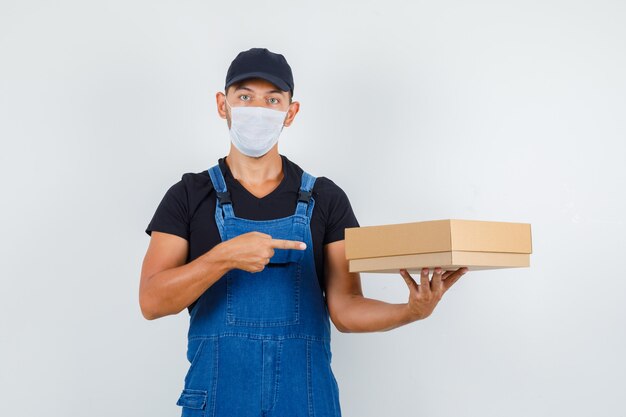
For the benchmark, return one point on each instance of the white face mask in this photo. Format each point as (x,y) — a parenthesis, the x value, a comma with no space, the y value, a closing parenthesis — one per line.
(255,130)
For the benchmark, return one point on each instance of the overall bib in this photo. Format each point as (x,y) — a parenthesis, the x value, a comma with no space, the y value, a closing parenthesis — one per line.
(259,343)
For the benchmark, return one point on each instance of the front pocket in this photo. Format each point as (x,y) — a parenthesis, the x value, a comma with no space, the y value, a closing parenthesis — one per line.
(262,299)
(282,256)
(287,228)
(193,402)
(198,395)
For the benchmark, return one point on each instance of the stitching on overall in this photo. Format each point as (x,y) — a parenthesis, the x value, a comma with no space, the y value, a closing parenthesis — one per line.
(262,375)
(277,379)
(331,378)
(262,336)
(272,402)
(215,374)
(297,292)
(309,382)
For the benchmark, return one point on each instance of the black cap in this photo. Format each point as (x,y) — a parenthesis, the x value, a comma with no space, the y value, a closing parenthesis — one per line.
(261,63)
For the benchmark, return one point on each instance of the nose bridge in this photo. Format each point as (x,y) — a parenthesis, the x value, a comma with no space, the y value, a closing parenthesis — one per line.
(257,103)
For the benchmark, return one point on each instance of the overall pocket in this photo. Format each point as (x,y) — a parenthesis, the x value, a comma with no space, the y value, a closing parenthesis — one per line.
(193,402)
(196,398)
(262,299)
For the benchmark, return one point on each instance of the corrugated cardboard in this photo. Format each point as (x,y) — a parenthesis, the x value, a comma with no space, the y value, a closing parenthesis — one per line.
(449,244)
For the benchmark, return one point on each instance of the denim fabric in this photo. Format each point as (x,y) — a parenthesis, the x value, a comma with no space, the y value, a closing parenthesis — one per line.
(259,343)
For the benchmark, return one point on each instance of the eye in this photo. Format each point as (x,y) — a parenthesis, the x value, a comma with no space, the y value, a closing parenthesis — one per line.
(244,97)
(276,101)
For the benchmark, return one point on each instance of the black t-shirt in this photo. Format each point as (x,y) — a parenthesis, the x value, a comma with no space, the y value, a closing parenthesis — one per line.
(188,210)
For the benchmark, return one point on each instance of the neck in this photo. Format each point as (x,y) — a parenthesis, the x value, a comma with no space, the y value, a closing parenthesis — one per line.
(255,171)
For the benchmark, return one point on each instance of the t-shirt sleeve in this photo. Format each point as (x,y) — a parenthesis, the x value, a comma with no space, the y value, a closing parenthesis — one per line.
(340,215)
(171,215)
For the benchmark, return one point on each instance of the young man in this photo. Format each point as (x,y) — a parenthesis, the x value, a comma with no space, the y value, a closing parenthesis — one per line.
(253,247)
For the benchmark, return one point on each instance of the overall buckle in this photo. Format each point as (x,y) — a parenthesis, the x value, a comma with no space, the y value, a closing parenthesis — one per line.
(304,196)
(224,197)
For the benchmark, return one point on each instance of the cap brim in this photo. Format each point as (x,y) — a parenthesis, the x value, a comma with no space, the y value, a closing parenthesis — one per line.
(267,77)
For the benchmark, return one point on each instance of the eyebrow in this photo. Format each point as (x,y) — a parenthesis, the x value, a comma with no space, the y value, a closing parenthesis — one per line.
(249,89)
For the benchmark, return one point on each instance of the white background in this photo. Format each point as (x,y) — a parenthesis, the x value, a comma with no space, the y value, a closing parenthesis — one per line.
(505,111)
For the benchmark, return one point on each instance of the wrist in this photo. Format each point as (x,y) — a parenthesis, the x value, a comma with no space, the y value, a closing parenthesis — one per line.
(410,314)
(219,258)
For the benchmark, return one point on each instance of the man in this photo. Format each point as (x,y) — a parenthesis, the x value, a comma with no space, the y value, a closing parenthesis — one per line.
(253,247)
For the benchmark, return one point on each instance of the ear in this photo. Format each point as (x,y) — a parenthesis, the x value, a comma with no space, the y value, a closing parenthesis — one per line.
(294,107)
(220,99)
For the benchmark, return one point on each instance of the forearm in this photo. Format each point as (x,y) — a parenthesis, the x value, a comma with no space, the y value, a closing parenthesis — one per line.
(361,314)
(172,290)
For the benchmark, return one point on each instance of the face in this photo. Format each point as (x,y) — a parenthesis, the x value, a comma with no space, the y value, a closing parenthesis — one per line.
(256,92)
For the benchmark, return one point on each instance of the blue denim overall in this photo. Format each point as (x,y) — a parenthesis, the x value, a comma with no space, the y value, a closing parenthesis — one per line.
(259,343)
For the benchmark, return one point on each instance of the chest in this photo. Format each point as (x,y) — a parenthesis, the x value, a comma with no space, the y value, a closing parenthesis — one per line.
(204,233)
(261,190)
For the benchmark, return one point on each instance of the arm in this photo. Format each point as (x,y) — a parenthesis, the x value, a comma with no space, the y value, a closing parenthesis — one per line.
(350,311)
(168,285)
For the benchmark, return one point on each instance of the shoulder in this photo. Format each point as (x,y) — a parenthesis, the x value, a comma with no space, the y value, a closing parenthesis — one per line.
(331,199)
(191,187)
(324,187)
(196,180)
(334,209)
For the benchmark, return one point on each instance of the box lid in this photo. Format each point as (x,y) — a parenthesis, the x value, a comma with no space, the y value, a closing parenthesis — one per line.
(437,236)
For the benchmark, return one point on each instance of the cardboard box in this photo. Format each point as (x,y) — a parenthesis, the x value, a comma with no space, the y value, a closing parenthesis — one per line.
(450,244)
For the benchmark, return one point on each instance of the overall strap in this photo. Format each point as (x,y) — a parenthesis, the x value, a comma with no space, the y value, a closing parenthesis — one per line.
(223,195)
(305,201)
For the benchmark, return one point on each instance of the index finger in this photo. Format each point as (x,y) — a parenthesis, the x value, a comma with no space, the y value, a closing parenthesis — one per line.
(287,244)
(437,282)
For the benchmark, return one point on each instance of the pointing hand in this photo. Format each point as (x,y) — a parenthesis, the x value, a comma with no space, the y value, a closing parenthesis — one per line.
(252,251)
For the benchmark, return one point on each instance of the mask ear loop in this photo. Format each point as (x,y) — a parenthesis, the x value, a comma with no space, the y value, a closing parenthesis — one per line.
(231,110)
(228,104)
(286,114)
